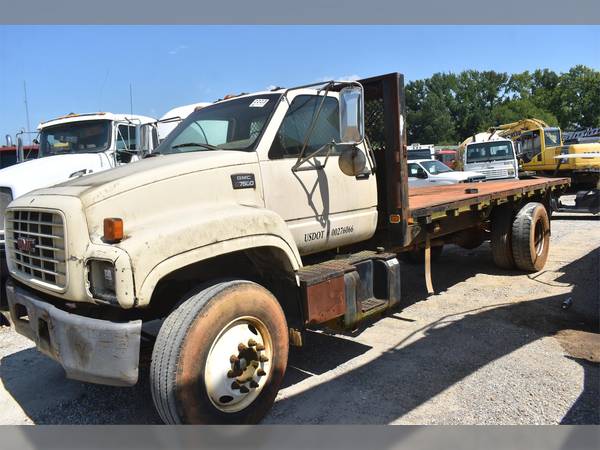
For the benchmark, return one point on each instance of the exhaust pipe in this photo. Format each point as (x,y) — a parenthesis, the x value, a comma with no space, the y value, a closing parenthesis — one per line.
(9,141)
(20,154)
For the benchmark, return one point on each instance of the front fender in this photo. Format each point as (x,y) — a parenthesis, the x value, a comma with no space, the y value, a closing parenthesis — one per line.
(158,249)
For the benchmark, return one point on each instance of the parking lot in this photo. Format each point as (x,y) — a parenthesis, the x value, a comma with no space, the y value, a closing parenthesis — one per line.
(490,347)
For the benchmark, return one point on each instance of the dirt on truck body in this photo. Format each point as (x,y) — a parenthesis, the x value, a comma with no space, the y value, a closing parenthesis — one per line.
(259,217)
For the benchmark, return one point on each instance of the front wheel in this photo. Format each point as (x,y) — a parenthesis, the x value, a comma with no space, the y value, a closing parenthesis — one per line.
(220,357)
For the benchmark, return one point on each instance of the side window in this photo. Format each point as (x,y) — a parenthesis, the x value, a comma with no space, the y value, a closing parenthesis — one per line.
(414,170)
(290,136)
(125,137)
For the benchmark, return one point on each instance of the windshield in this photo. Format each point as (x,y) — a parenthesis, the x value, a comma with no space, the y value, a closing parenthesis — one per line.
(489,151)
(552,136)
(434,167)
(231,125)
(419,154)
(90,136)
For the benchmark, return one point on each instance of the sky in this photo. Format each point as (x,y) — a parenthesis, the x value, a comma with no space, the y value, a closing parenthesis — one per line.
(90,68)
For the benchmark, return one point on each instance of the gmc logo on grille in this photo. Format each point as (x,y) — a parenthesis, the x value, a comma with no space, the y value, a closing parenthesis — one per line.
(26,244)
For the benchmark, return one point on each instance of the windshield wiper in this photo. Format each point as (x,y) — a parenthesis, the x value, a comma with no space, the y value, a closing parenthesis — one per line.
(196,144)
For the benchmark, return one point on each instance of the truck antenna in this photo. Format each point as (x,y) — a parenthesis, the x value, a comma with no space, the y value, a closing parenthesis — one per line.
(26,107)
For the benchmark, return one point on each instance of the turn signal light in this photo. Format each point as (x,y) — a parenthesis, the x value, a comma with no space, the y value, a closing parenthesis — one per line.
(113,230)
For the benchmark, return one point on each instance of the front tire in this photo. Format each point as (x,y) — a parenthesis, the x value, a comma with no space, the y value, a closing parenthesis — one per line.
(220,357)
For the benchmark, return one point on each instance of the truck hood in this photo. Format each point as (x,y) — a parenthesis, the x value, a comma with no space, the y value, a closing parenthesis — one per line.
(95,188)
(39,173)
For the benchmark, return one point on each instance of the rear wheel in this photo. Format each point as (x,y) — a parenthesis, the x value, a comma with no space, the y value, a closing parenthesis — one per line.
(501,237)
(531,237)
(220,357)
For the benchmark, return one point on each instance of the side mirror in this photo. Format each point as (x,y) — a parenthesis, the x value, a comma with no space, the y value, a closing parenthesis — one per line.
(143,138)
(352,161)
(351,115)
(422,174)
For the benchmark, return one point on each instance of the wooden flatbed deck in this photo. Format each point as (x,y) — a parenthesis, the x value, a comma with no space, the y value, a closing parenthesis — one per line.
(437,200)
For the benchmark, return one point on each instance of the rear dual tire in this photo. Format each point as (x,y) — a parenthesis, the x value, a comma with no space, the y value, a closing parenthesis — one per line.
(220,357)
(531,237)
(521,241)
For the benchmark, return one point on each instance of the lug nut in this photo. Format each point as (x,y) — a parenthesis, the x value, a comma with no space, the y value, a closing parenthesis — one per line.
(241,347)
(253,384)
(233,359)
(263,358)
(230,374)
(254,364)
(251,342)
(244,390)
(261,373)
(260,347)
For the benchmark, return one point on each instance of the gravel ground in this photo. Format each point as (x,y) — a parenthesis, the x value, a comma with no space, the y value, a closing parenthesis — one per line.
(490,347)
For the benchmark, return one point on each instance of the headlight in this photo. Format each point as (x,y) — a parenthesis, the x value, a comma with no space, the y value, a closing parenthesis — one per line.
(102,280)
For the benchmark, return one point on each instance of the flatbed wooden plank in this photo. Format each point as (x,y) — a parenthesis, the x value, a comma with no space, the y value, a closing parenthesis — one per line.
(423,201)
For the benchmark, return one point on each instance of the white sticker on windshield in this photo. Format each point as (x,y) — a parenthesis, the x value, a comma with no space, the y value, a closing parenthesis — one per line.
(259,102)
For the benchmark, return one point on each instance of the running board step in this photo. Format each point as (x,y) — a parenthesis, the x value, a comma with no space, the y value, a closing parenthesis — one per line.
(371,303)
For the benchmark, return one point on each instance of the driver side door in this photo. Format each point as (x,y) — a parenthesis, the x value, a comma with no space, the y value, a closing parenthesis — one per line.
(322,207)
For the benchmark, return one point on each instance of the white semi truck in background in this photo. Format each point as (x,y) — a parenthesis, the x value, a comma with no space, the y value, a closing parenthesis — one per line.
(72,146)
(491,155)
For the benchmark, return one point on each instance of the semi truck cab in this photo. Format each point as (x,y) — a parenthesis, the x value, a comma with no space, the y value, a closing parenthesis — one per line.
(73,146)
(495,158)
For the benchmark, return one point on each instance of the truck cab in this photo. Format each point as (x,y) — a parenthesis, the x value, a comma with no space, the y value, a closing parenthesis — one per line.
(495,158)
(420,151)
(73,146)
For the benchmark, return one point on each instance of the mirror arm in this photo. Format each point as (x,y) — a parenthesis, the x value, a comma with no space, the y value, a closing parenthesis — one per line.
(296,167)
(311,128)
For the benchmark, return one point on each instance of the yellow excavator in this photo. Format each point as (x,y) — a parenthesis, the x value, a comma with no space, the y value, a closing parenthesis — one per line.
(541,150)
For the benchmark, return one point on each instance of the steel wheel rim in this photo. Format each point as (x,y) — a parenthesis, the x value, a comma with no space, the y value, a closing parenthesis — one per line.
(539,237)
(232,385)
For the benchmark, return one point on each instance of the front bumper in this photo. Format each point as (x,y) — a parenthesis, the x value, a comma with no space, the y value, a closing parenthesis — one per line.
(92,350)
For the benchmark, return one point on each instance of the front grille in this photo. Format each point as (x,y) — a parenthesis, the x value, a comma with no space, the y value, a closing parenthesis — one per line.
(497,173)
(35,241)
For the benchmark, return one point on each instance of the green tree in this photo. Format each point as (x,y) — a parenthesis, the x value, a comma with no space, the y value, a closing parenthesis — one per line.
(577,99)
(448,107)
(521,108)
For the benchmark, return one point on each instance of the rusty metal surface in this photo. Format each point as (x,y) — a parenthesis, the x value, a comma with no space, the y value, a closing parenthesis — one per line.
(325,301)
(425,200)
(324,288)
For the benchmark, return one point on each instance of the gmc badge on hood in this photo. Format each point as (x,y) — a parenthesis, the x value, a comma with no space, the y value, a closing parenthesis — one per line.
(243,181)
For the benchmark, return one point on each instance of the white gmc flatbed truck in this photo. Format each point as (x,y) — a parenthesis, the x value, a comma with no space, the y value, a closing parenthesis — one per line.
(259,217)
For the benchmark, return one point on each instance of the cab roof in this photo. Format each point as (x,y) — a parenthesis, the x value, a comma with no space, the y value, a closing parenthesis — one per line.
(70,118)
